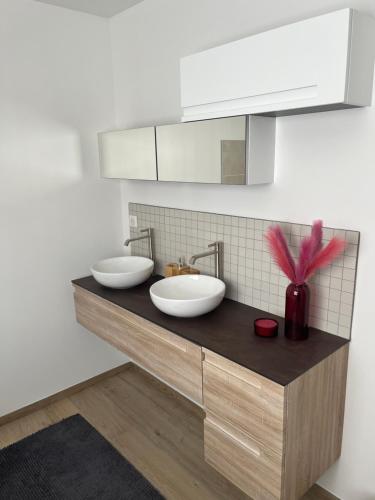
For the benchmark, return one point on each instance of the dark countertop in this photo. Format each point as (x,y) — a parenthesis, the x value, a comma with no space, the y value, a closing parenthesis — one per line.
(229,331)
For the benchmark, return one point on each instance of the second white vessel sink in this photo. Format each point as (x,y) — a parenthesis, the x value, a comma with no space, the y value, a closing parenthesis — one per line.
(188,295)
(122,272)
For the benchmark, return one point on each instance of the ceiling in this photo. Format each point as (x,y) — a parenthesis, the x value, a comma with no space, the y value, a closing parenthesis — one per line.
(104,8)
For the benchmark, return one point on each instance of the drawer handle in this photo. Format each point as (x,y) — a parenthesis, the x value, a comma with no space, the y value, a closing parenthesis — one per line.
(112,310)
(255,384)
(253,448)
(132,322)
(176,345)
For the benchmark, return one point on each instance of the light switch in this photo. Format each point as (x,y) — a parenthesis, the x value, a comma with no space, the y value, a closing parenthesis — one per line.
(133,221)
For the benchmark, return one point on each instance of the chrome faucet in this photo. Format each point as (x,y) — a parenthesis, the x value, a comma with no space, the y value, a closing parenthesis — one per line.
(147,236)
(217,252)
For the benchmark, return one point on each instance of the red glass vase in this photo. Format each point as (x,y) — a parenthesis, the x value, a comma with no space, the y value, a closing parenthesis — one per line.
(297,311)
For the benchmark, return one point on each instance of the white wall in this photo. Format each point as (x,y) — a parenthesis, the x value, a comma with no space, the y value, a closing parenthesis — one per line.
(325,166)
(56,216)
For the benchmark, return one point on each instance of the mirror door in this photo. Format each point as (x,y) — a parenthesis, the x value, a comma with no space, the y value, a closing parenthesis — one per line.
(207,151)
(128,154)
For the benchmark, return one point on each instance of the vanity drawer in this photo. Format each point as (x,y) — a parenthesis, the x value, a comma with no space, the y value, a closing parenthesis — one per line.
(252,467)
(244,399)
(173,359)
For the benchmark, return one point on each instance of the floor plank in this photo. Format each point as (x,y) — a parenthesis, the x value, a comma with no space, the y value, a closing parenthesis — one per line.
(157,430)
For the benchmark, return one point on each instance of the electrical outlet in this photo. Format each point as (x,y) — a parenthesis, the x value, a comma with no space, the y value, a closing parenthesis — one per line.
(133,221)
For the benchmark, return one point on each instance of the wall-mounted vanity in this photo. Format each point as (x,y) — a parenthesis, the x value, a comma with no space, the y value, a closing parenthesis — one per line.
(274,408)
(235,150)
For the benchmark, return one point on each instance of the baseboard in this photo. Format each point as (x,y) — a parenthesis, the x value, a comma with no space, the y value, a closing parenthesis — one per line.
(319,493)
(9,417)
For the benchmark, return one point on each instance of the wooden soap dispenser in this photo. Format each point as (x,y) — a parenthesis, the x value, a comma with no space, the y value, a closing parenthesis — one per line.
(173,269)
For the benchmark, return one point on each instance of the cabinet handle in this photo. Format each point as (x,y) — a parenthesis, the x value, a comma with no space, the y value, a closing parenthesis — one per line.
(257,385)
(252,448)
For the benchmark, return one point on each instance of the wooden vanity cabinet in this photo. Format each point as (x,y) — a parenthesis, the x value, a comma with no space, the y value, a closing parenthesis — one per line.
(174,360)
(273,441)
(274,425)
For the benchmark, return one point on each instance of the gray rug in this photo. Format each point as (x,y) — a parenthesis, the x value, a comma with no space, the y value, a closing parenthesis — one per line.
(69,461)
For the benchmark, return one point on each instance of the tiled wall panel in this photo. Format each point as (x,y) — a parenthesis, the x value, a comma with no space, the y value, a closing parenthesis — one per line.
(250,275)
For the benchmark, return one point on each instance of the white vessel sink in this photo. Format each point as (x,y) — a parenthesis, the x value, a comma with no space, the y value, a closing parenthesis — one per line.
(122,272)
(187,296)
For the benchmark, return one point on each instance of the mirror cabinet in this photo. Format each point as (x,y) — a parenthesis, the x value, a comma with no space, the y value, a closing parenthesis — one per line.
(236,150)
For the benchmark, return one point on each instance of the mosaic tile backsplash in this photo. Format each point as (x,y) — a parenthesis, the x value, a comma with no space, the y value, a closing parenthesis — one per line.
(250,275)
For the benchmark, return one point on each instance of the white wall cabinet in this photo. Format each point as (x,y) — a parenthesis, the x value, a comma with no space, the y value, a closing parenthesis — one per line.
(128,154)
(321,63)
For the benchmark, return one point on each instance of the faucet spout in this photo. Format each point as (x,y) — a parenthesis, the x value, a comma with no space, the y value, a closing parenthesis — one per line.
(217,252)
(147,236)
(129,240)
(194,258)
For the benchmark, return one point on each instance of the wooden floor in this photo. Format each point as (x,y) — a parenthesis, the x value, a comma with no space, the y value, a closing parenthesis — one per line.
(156,429)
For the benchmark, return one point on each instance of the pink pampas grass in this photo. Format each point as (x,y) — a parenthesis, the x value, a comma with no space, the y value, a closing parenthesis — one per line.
(309,248)
(325,256)
(312,255)
(280,252)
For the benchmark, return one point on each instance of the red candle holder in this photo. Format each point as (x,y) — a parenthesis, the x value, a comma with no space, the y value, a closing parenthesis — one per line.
(266,327)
